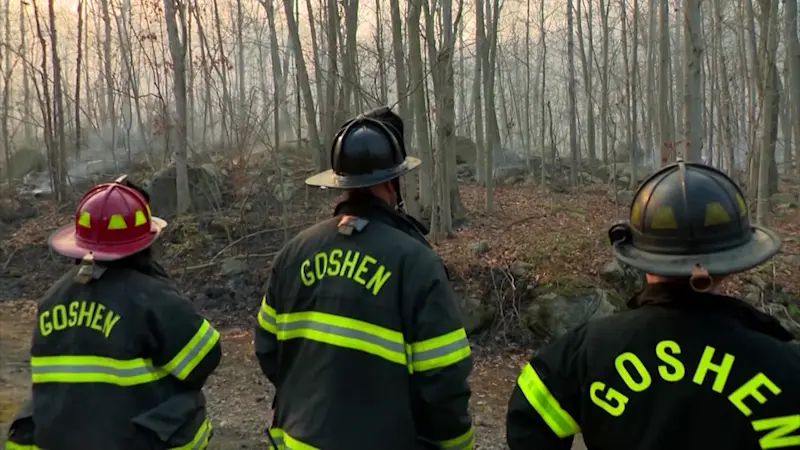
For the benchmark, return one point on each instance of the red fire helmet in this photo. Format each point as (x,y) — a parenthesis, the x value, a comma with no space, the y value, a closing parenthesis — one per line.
(113,221)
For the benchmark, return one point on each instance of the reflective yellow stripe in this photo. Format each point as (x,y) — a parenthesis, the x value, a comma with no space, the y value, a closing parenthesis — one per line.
(464,442)
(198,442)
(286,442)
(14,446)
(193,353)
(562,424)
(267,318)
(343,332)
(439,352)
(355,334)
(200,439)
(94,369)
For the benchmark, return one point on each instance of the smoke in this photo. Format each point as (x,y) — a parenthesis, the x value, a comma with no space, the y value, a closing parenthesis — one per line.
(105,152)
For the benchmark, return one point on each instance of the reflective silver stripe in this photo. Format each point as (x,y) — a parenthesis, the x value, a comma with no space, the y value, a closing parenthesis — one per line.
(464,442)
(342,331)
(203,442)
(105,370)
(263,315)
(425,355)
(93,369)
(192,356)
(278,440)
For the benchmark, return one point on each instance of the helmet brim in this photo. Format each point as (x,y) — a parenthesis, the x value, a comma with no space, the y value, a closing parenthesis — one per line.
(763,245)
(65,242)
(330,179)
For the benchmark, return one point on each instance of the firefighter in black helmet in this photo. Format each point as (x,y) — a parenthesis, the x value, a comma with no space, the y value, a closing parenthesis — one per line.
(685,367)
(359,329)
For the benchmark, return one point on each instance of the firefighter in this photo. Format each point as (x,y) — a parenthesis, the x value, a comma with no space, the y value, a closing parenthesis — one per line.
(118,357)
(359,330)
(684,367)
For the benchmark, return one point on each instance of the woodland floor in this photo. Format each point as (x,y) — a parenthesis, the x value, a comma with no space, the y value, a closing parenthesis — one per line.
(562,235)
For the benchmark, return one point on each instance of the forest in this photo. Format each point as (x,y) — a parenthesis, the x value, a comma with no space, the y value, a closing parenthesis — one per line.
(535,121)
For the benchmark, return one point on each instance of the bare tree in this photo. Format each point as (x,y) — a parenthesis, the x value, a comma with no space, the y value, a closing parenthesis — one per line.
(692,100)
(573,109)
(793,44)
(177,50)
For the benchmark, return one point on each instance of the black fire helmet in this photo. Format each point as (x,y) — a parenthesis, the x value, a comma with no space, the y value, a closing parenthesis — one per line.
(689,218)
(367,151)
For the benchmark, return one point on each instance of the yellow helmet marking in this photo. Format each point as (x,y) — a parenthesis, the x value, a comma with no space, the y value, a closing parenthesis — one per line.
(664,219)
(85,220)
(636,213)
(742,205)
(117,222)
(140,218)
(716,214)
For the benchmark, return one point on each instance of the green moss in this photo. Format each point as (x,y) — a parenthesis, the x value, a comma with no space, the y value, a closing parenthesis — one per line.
(569,286)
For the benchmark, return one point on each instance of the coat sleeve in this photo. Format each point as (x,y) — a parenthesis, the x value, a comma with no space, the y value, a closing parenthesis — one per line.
(182,341)
(266,334)
(440,360)
(547,397)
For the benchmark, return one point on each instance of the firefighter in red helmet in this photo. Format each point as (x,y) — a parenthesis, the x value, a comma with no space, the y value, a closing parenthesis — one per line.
(119,357)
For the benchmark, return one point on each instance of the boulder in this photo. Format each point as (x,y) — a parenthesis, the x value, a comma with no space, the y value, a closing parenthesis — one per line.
(466,150)
(626,280)
(476,314)
(511,174)
(206,184)
(465,172)
(775,301)
(785,199)
(556,312)
(24,161)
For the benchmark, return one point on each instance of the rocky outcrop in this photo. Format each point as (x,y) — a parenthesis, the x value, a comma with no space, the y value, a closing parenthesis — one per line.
(556,312)
(206,186)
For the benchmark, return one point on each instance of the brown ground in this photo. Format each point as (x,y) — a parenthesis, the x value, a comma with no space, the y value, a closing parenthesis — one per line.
(561,235)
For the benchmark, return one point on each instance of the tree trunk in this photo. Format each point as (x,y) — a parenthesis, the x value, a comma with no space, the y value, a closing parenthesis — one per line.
(770,100)
(604,100)
(692,100)
(587,80)
(794,64)
(177,50)
(666,139)
(302,75)
(58,107)
(418,104)
(8,72)
(482,170)
(573,110)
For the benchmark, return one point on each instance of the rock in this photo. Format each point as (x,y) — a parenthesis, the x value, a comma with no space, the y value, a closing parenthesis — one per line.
(24,161)
(479,247)
(773,300)
(232,267)
(591,179)
(785,199)
(466,150)
(625,279)
(521,268)
(785,315)
(475,313)
(206,183)
(283,192)
(465,171)
(511,174)
(624,197)
(552,314)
